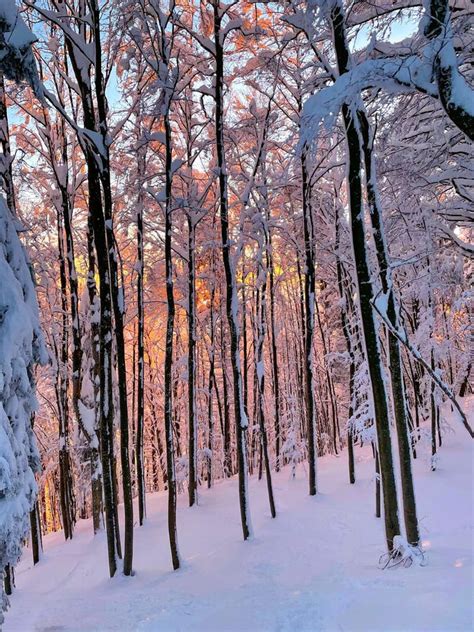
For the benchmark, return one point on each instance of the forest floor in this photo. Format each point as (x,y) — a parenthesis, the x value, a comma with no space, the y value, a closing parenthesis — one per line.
(315,567)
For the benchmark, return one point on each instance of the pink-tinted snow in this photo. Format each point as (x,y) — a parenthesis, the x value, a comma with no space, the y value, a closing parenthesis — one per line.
(313,568)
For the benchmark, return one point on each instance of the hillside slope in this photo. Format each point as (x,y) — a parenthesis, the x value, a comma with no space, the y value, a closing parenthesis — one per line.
(313,568)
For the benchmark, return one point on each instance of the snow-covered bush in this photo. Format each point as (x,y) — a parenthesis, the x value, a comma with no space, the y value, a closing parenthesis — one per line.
(21,344)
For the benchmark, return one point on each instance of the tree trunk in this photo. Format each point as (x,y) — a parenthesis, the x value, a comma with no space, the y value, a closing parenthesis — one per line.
(140,473)
(35,533)
(274,353)
(395,361)
(365,291)
(350,351)
(168,405)
(210,420)
(6,174)
(260,372)
(66,487)
(192,420)
(232,306)
(309,297)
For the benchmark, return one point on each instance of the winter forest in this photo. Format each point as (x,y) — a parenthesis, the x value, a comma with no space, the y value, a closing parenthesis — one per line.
(236,315)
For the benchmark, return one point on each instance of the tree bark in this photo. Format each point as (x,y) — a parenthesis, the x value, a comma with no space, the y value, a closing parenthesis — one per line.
(365,291)
(140,473)
(192,420)
(232,306)
(395,361)
(168,405)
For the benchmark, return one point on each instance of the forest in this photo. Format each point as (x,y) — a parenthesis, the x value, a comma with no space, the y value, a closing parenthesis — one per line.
(236,272)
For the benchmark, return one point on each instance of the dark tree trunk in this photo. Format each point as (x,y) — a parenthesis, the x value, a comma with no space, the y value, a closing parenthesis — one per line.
(192,420)
(66,486)
(274,352)
(395,361)
(433,414)
(35,533)
(365,291)
(140,472)
(97,218)
(212,360)
(241,421)
(309,301)
(168,405)
(228,471)
(465,386)
(260,374)
(8,579)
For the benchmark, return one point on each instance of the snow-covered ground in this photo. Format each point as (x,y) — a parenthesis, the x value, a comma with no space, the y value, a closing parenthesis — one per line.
(312,568)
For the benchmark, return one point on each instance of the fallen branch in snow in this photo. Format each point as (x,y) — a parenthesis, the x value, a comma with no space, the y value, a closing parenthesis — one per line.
(416,354)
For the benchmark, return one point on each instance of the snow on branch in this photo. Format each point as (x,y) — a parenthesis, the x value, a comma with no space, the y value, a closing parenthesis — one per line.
(394,75)
(21,346)
(379,306)
(433,71)
(16,56)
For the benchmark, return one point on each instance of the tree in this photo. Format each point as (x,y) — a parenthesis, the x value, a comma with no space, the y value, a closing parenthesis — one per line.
(21,342)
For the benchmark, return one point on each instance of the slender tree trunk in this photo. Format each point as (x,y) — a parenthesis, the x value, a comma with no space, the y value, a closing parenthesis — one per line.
(140,473)
(396,367)
(8,579)
(433,409)
(274,352)
(210,420)
(260,372)
(232,306)
(365,291)
(465,383)
(105,330)
(66,488)
(245,345)
(35,533)
(309,297)
(192,420)
(168,405)
(76,351)
(228,471)
(329,384)
(350,351)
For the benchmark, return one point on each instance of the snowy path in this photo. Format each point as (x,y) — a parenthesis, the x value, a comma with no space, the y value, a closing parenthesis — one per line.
(313,568)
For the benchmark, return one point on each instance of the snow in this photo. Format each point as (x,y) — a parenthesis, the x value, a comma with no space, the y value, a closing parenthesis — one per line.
(395,74)
(461,92)
(16,57)
(312,568)
(19,36)
(21,346)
